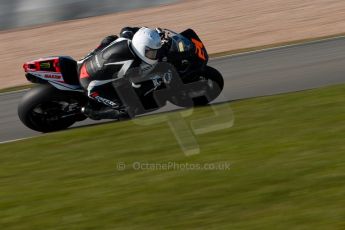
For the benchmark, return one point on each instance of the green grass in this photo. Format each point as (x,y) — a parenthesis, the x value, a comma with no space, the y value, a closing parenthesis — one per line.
(287,157)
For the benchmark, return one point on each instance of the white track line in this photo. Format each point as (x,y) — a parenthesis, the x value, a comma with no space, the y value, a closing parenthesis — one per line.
(13,92)
(278,47)
(20,139)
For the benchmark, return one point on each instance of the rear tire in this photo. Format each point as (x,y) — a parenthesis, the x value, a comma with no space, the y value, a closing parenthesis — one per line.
(41,107)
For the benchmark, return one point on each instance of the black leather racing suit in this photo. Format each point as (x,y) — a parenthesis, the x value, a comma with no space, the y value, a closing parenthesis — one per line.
(106,64)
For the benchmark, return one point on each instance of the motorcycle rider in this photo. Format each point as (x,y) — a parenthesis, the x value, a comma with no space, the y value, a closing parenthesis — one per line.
(111,61)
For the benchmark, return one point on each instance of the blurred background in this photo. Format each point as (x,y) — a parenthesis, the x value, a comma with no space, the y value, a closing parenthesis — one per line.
(19,13)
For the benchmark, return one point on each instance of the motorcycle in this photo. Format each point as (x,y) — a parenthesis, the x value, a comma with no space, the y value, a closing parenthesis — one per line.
(184,80)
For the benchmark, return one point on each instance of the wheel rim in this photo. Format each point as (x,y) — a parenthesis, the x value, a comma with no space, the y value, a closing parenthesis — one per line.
(211,88)
(53,112)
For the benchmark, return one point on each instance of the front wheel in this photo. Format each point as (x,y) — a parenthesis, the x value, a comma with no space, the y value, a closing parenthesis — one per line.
(46,109)
(210,84)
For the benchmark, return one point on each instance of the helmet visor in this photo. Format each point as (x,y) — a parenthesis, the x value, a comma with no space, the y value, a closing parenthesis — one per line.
(151,53)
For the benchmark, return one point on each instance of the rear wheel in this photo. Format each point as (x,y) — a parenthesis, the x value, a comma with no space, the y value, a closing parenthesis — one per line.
(46,109)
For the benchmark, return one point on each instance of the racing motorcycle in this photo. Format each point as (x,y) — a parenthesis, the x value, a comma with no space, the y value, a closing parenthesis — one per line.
(56,102)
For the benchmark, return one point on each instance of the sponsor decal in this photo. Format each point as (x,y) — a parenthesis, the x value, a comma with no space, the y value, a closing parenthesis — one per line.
(97,62)
(167,77)
(157,81)
(199,49)
(181,47)
(106,101)
(94,94)
(45,65)
(52,76)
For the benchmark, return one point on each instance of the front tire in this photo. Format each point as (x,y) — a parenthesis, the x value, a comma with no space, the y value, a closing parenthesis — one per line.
(44,108)
(215,84)
(212,85)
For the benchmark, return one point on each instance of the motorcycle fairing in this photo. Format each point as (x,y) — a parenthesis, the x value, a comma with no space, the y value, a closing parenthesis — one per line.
(200,49)
(61,72)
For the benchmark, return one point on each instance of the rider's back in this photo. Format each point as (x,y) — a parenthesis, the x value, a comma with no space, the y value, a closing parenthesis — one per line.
(107,62)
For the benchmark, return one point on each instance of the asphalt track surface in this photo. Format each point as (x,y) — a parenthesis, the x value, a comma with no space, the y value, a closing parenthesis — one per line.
(253,74)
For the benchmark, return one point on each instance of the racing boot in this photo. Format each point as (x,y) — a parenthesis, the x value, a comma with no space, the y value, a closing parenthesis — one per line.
(97,111)
(105,113)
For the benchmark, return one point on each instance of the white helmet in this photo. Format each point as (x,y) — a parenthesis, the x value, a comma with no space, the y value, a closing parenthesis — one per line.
(145,44)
